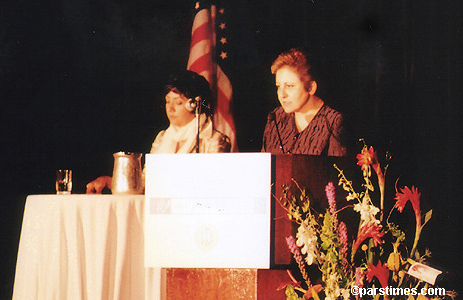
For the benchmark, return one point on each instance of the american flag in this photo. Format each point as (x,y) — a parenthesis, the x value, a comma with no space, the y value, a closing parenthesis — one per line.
(208,36)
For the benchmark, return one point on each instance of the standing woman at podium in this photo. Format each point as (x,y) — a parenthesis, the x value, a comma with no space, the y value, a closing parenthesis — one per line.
(184,92)
(303,124)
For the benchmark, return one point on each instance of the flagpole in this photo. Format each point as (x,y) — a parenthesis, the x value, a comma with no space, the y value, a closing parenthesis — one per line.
(214,63)
(198,122)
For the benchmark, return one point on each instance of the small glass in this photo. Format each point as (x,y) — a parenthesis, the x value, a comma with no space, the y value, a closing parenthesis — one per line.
(63,182)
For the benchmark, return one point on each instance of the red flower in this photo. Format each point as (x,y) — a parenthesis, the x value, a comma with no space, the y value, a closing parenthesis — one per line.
(367,157)
(370,230)
(413,195)
(380,271)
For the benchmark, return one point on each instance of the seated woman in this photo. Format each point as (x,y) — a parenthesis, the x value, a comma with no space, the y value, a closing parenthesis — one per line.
(181,94)
(303,124)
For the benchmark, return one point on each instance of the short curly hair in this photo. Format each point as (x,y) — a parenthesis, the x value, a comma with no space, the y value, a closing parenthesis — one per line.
(300,61)
(191,85)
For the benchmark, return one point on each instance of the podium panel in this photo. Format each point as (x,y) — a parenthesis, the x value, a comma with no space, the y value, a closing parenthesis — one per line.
(251,284)
(311,173)
(208,210)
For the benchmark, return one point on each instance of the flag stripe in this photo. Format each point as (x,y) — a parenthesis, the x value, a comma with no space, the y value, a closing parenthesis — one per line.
(225,127)
(201,33)
(201,43)
(224,83)
(198,52)
(201,18)
(201,64)
(222,108)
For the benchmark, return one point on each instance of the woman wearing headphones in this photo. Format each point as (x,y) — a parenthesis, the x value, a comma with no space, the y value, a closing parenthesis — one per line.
(184,93)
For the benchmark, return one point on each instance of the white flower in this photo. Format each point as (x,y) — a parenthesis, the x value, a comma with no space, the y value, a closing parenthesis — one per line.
(367,212)
(332,289)
(345,294)
(307,239)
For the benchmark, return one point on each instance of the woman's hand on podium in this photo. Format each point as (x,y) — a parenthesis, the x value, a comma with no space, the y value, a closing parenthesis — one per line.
(97,185)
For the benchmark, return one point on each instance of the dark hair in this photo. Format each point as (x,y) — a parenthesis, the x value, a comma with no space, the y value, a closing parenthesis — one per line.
(191,85)
(300,61)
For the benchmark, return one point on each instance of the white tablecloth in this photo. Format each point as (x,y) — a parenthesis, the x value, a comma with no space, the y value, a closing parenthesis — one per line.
(82,247)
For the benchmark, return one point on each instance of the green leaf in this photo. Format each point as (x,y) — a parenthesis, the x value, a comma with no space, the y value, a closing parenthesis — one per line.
(291,293)
(330,256)
(325,245)
(427,217)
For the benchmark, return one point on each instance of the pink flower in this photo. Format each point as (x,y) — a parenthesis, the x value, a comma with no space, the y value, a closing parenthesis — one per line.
(370,230)
(294,250)
(342,231)
(330,194)
(291,241)
(359,276)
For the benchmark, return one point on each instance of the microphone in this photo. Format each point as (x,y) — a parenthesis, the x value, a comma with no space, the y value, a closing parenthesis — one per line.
(195,105)
(191,104)
(272,117)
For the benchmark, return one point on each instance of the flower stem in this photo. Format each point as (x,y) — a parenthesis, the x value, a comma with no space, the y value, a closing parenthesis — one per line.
(381,183)
(417,238)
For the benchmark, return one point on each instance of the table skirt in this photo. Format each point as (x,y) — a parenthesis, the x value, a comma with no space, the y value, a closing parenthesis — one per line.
(81,247)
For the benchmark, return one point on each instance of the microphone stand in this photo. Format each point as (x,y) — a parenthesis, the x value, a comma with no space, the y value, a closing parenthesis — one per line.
(272,117)
(198,121)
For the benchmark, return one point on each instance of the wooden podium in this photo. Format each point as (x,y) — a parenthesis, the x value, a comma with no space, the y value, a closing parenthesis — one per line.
(309,172)
(211,284)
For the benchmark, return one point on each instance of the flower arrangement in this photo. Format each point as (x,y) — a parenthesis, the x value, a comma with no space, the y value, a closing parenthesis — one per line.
(376,261)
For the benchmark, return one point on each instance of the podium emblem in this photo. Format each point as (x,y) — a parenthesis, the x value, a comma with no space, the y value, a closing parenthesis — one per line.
(206,238)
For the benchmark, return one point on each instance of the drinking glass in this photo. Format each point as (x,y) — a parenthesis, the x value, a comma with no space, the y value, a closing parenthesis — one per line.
(63,182)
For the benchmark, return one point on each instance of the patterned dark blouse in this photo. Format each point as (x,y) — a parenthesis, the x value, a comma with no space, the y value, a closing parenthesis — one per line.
(323,135)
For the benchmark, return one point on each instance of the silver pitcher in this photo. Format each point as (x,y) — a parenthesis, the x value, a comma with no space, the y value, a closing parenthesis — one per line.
(127,173)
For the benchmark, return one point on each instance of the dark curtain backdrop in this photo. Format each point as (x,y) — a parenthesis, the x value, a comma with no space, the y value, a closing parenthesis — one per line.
(82,79)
